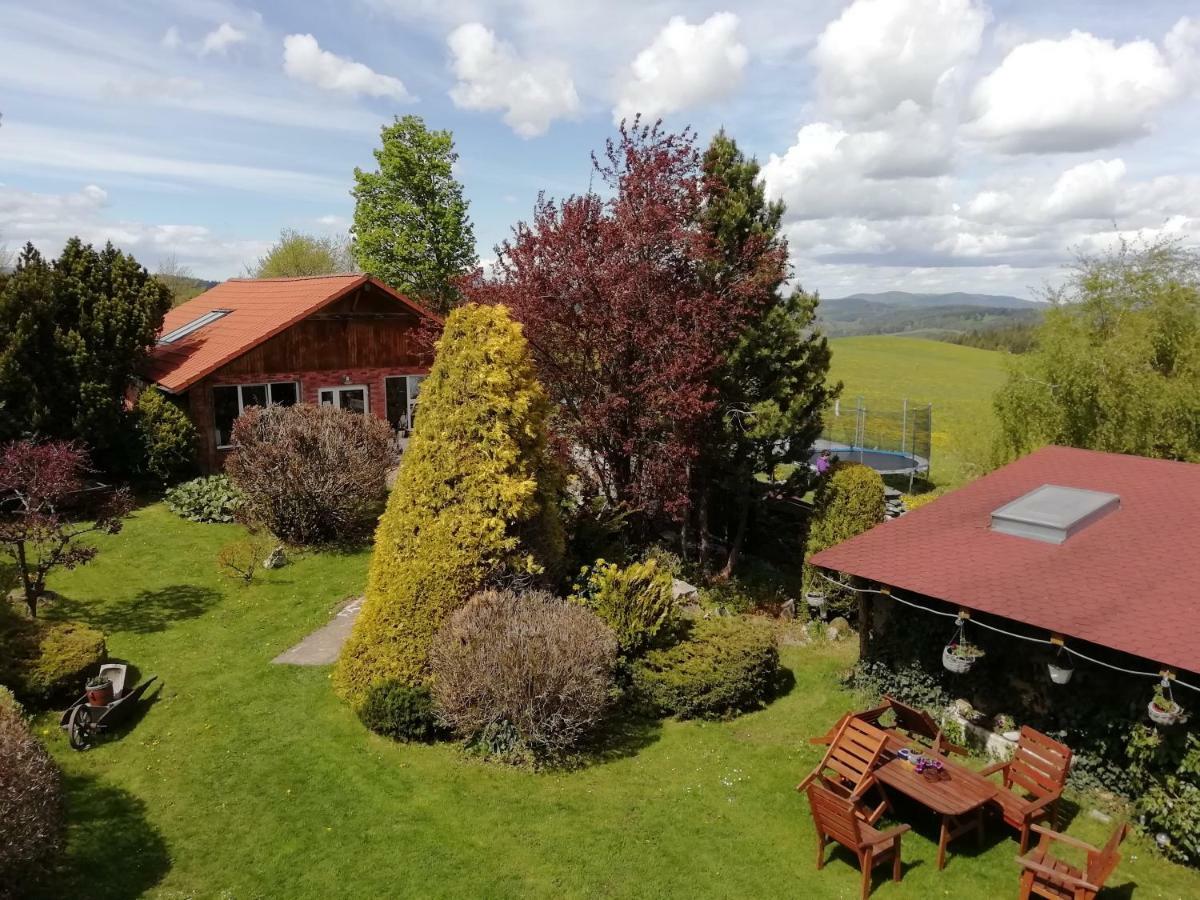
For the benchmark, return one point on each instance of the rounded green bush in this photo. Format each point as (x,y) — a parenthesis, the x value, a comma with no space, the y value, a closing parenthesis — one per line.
(211,499)
(167,435)
(400,711)
(636,602)
(720,667)
(44,659)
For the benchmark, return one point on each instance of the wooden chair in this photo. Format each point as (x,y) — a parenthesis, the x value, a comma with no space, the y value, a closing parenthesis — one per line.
(870,716)
(852,755)
(917,725)
(1045,875)
(837,819)
(1033,781)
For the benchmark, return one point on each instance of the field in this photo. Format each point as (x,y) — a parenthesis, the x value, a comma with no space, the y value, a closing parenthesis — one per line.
(244,779)
(958,381)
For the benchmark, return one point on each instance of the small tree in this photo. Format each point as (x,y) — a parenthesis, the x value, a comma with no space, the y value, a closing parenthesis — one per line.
(167,435)
(1116,361)
(298,254)
(476,501)
(37,481)
(310,474)
(850,500)
(411,227)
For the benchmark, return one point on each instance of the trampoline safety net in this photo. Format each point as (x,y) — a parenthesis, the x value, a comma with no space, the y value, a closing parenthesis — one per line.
(905,430)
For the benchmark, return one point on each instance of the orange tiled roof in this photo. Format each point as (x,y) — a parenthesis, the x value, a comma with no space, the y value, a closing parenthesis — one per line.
(259,308)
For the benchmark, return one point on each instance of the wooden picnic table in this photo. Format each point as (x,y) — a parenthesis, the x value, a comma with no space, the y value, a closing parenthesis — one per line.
(958,797)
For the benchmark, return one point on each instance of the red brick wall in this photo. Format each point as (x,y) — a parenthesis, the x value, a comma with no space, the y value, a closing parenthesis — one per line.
(201,408)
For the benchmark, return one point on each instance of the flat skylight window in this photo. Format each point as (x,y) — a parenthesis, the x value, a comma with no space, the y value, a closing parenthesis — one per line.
(1053,513)
(184,330)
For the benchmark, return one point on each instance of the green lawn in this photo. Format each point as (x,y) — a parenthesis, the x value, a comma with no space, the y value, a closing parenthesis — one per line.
(245,779)
(958,381)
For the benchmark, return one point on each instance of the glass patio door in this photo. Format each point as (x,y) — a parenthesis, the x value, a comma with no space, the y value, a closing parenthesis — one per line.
(351,396)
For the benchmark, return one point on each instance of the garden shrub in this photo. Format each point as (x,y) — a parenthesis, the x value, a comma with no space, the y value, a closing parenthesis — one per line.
(637,602)
(1164,770)
(848,501)
(210,499)
(244,557)
(167,436)
(476,501)
(31,804)
(399,711)
(757,586)
(45,659)
(530,664)
(719,667)
(310,474)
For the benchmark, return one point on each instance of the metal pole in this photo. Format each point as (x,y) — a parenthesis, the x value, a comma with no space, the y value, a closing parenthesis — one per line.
(904,425)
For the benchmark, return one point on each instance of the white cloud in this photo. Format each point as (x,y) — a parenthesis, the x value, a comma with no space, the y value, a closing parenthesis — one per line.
(881,53)
(1087,191)
(162,88)
(492,75)
(48,220)
(1078,93)
(171,39)
(824,175)
(35,149)
(684,66)
(220,39)
(304,60)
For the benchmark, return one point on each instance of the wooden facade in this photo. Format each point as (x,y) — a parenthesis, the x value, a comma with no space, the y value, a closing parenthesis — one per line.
(360,340)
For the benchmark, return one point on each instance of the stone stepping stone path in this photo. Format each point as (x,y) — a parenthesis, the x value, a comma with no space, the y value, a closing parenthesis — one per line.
(321,648)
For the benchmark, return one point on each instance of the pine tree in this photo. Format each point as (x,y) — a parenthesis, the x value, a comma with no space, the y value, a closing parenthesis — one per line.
(476,500)
(411,227)
(772,385)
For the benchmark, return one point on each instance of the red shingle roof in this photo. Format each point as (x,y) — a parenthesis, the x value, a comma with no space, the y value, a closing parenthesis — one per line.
(259,309)
(1128,581)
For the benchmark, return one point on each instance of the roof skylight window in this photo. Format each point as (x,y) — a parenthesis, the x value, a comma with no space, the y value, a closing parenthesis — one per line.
(195,325)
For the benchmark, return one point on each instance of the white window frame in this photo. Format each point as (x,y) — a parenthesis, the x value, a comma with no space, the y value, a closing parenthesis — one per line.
(183,331)
(338,388)
(242,403)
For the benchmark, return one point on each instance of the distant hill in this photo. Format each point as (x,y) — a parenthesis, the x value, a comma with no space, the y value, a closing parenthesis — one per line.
(184,287)
(925,301)
(945,316)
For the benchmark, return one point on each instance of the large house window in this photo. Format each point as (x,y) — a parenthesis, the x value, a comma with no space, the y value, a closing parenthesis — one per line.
(230,401)
(402,393)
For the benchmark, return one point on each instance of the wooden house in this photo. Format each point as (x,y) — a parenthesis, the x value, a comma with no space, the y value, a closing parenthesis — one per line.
(345,340)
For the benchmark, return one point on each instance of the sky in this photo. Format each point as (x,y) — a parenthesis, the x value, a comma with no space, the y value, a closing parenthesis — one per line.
(922,145)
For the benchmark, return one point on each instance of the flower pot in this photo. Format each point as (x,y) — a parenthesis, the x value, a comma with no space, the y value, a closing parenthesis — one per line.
(1060,674)
(1160,716)
(959,665)
(814,599)
(100,696)
(1013,736)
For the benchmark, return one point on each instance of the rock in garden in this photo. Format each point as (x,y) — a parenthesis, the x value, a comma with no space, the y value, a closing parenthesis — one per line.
(276,559)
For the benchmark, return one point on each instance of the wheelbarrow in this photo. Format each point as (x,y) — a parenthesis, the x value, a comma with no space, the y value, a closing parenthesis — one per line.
(85,719)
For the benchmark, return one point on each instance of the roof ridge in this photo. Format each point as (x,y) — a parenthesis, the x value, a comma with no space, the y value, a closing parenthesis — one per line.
(301,277)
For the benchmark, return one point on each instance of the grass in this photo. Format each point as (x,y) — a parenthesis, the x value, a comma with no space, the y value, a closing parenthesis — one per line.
(958,381)
(243,779)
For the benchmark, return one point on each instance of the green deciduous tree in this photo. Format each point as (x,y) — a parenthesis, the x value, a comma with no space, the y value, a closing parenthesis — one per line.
(411,227)
(1116,365)
(772,385)
(476,500)
(849,500)
(297,254)
(73,334)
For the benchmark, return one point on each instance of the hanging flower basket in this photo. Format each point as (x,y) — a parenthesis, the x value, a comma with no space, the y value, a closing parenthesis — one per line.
(1168,715)
(1162,708)
(1061,668)
(960,657)
(814,599)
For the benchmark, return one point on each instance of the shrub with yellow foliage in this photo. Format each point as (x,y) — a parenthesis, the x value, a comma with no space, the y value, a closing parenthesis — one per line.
(475,503)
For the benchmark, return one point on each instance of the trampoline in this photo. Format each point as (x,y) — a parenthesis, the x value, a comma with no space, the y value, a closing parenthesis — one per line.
(885,462)
(892,441)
